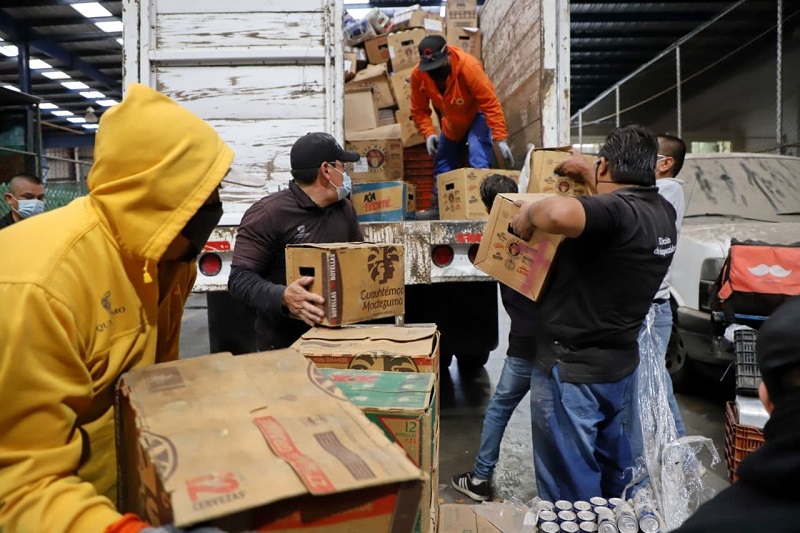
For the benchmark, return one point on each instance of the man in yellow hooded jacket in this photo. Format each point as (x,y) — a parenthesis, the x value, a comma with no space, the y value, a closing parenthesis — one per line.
(100,294)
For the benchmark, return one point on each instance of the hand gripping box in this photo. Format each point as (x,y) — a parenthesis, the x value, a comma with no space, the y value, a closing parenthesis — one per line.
(522,265)
(359,281)
(412,348)
(403,405)
(460,193)
(544,180)
(257,442)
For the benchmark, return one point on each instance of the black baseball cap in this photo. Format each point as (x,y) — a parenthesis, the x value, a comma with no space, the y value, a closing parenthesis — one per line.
(313,149)
(432,53)
(778,344)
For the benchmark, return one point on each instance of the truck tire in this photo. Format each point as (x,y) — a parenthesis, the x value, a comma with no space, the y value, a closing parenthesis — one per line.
(677,361)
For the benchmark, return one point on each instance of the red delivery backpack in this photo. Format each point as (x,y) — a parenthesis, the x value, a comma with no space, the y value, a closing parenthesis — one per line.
(757,278)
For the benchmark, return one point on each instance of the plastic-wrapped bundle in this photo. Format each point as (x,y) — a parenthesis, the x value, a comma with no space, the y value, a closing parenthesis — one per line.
(380,21)
(358,31)
(511,515)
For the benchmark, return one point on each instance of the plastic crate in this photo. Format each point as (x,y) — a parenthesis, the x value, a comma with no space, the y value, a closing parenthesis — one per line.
(748,375)
(424,190)
(739,440)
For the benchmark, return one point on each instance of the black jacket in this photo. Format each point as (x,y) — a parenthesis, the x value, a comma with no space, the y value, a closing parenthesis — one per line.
(767,496)
(6,220)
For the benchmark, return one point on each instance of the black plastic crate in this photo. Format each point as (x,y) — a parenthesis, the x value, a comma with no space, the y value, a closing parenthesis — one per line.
(747,374)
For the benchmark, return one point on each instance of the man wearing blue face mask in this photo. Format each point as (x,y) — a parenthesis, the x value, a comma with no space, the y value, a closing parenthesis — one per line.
(313,209)
(25,196)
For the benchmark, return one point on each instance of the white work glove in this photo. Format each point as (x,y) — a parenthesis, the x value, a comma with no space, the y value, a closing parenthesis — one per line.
(505,151)
(432,144)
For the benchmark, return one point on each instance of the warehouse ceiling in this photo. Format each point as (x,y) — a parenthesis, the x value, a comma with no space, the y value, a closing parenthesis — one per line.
(79,52)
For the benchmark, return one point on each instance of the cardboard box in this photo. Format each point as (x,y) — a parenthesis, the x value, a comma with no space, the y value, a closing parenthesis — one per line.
(401,88)
(381,152)
(403,405)
(413,348)
(459,518)
(373,77)
(359,281)
(404,48)
(468,39)
(350,65)
(460,14)
(522,265)
(267,443)
(409,133)
(544,180)
(360,110)
(377,50)
(432,23)
(411,200)
(380,202)
(460,194)
(386,117)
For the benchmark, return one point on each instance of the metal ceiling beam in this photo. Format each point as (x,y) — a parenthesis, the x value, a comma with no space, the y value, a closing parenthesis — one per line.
(52,22)
(36,3)
(81,37)
(14,28)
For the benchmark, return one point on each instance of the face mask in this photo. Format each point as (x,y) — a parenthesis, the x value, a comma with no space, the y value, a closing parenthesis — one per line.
(29,208)
(199,228)
(347,185)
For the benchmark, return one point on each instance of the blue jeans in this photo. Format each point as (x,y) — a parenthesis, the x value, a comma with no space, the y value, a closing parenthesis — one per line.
(450,154)
(579,447)
(514,383)
(662,328)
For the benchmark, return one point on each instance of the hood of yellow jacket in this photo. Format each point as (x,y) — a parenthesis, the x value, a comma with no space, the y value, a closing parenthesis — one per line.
(155,164)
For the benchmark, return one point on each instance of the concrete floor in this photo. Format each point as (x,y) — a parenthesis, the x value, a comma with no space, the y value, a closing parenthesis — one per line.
(463,404)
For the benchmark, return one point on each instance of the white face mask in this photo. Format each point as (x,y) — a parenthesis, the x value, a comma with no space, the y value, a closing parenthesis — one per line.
(29,208)
(347,185)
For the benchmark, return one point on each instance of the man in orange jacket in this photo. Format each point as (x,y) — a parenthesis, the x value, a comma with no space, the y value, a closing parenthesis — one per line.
(463,95)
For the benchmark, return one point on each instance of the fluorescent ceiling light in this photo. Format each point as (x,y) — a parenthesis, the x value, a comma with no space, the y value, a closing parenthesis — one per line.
(91,126)
(113,26)
(47,105)
(119,41)
(75,85)
(9,50)
(56,75)
(107,103)
(62,113)
(11,88)
(92,94)
(38,64)
(77,120)
(91,10)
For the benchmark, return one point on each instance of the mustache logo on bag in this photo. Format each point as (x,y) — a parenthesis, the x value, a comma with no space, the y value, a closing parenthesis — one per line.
(762,270)
(381,263)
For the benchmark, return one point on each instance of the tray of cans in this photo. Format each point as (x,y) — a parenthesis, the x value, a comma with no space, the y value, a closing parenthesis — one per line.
(598,515)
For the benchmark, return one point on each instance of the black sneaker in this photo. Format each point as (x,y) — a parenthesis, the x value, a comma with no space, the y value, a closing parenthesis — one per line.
(465,485)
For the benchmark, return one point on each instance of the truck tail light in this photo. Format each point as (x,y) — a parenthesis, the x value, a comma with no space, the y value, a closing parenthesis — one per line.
(210,264)
(708,276)
(473,253)
(442,255)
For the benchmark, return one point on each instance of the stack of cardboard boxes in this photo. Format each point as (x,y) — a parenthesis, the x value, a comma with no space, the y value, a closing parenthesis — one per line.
(378,123)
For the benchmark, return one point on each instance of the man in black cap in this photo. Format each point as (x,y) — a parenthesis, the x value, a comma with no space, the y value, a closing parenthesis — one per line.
(314,209)
(766,497)
(464,97)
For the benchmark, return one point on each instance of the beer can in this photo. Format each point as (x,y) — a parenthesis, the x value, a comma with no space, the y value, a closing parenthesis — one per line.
(646,514)
(569,527)
(626,519)
(549,527)
(598,501)
(566,516)
(547,516)
(614,502)
(563,505)
(588,527)
(581,505)
(607,525)
(544,505)
(605,512)
(586,516)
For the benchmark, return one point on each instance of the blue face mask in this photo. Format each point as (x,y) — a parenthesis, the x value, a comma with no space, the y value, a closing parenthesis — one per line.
(29,208)
(347,185)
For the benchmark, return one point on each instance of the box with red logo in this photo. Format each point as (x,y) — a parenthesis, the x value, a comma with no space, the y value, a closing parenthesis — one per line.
(359,281)
(544,180)
(404,48)
(385,201)
(460,192)
(522,265)
(403,405)
(381,151)
(257,442)
(377,50)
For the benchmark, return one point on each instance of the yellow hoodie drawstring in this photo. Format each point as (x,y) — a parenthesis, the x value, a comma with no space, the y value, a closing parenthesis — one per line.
(147,277)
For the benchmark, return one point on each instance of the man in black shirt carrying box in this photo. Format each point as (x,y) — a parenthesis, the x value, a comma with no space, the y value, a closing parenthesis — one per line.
(620,244)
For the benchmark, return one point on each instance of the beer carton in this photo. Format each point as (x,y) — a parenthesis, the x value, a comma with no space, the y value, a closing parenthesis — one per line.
(459,518)
(373,77)
(269,444)
(432,23)
(544,180)
(381,151)
(359,281)
(403,405)
(410,135)
(522,265)
(377,50)
(411,200)
(460,195)
(385,201)
(404,48)
(468,39)
(460,14)
(360,111)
